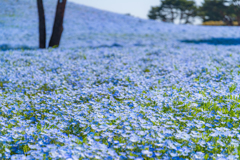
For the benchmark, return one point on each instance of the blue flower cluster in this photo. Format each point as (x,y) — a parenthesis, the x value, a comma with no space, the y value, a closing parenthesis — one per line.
(125,88)
(163,102)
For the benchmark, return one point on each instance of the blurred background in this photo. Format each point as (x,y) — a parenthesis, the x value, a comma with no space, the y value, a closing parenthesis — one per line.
(23,22)
(198,12)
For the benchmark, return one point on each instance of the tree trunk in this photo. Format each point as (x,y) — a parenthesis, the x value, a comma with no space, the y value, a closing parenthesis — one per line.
(238,20)
(58,24)
(181,16)
(238,16)
(187,19)
(172,15)
(42,26)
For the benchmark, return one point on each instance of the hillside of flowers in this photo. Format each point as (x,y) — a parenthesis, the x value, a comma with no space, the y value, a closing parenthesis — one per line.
(118,87)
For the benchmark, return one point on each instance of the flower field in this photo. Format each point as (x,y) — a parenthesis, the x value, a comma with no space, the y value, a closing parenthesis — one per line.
(128,89)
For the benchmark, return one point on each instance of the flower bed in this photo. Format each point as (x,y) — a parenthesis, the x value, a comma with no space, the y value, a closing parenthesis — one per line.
(162,102)
(136,89)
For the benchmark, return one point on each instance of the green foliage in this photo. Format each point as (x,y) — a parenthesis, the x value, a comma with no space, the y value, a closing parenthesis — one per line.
(55,46)
(170,10)
(232,88)
(186,10)
(146,70)
(212,10)
(220,10)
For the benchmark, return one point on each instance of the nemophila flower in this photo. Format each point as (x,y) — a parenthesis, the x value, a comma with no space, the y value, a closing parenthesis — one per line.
(199,155)
(19,157)
(105,102)
(147,152)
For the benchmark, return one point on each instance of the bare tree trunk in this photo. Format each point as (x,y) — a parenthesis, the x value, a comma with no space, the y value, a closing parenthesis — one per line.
(238,17)
(172,15)
(238,20)
(58,24)
(42,26)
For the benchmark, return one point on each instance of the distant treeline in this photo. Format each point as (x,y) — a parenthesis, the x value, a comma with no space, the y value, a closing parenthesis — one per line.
(227,12)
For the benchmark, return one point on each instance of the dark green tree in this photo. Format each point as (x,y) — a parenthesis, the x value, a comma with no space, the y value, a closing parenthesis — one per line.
(234,10)
(154,13)
(220,10)
(170,10)
(213,10)
(188,10)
